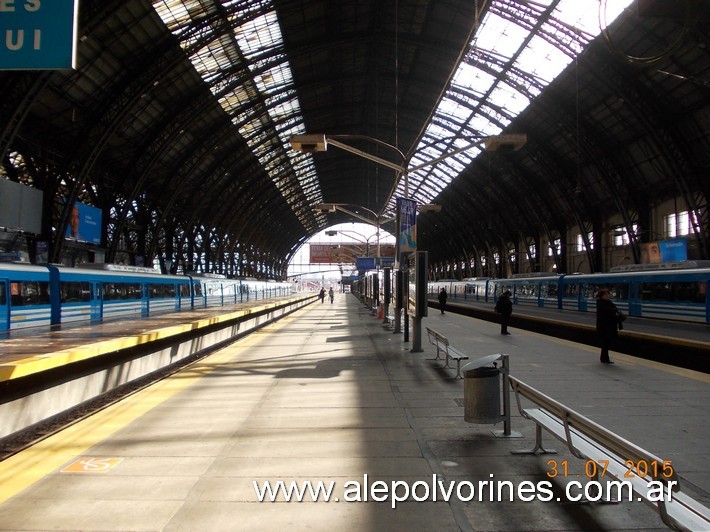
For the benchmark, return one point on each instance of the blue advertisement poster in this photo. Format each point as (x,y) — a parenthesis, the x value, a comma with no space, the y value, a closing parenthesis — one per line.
(38,34)
(664,251)
(673,250)
(407,216)
(84,224)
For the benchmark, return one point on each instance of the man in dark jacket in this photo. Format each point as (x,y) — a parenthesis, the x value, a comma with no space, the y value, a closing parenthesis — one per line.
(504,307)
(442,300)
(607,323)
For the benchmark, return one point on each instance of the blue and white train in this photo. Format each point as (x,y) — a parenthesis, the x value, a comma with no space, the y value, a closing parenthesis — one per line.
(677,291)
(33,295)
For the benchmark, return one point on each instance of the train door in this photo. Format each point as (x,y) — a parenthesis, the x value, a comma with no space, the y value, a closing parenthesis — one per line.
(145,299)
(582,297)
(4,305)
(635,299)
(96,300)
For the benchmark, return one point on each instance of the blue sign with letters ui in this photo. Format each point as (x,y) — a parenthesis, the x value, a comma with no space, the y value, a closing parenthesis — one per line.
(38,34)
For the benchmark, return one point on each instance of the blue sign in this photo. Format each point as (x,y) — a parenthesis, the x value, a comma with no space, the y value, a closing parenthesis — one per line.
(407,217)
(365,263)
(38,34)
(84,224)
(673,250)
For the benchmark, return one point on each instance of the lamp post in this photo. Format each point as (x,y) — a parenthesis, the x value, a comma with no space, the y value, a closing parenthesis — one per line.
(311,143)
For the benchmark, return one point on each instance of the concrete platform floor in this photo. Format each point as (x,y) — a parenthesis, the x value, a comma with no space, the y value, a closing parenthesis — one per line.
(329,394)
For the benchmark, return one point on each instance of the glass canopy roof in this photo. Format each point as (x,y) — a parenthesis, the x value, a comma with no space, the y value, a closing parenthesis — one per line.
(519,48)
(263,105)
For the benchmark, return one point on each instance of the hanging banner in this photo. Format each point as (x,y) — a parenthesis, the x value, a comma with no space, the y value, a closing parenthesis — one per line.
(38,34)
(335,253)
(407,225)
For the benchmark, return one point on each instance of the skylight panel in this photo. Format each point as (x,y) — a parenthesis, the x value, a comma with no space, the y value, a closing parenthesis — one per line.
(472,78)
(454,110)
(256,36)
(503,36)
(484,125)
(506,97)
(542,60)
(175,13)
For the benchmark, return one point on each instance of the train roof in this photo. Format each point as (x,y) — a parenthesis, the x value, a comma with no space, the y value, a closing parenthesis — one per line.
(675,265)
(21,266)
(642,273)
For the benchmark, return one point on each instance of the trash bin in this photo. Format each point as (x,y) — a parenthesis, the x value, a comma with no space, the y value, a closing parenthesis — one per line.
(481,390)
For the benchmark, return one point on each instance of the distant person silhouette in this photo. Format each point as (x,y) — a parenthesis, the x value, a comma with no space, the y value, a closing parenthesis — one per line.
(504,307)
(442,299)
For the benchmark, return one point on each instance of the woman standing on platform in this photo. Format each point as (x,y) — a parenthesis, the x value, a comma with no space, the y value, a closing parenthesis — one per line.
(608,319)
(442,300)
(504,307)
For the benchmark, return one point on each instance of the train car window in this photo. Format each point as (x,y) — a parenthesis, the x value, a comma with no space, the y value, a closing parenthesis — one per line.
(681,292)
(158,290)
(590,291)
(75,292)
(184,290)
(526,290)
(571,291)
(3,296)
(29,293)
(620,291)
(198,289)
(121,291)
(552,290)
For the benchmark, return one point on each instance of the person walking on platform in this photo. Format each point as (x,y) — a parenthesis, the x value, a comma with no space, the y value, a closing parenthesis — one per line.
(442,300)
(321,295)
(331,294)
(504,307)
(608,320)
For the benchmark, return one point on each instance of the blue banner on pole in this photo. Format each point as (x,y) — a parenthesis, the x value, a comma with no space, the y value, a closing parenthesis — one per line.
(38,34)
(407,216)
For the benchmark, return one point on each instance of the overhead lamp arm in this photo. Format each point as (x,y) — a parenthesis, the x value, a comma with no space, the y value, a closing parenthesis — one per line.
(310,143)
(374,158)
(510,141)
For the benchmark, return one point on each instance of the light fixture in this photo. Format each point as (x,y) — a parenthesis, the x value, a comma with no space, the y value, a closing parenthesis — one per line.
(325,207)
(309,143)
(507,142)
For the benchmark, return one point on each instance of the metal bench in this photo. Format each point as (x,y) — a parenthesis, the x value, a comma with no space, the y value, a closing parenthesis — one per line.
(619,458)
(442,345)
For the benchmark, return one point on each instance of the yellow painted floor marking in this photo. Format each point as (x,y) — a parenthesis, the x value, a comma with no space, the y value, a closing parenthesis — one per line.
(92,465)
(20,471)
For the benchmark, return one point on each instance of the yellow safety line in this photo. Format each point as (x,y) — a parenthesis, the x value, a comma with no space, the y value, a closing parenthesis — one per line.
(39,363)
(20,471)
